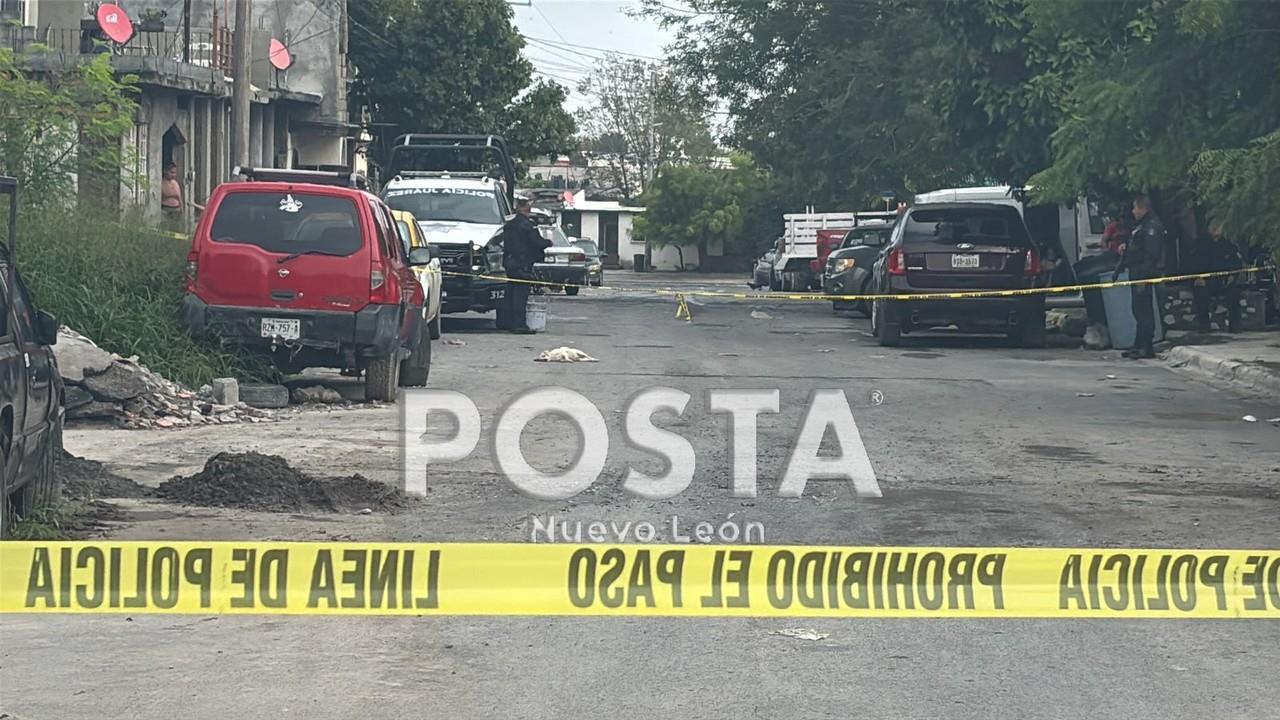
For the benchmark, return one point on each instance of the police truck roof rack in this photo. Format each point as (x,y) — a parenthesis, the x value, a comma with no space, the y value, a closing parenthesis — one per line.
(409,152)
(410,174)
(312,177)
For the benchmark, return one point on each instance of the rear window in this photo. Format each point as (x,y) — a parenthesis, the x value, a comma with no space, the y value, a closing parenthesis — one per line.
(872,237)
(555,235)
(289,222)
(980,226)
(588,247)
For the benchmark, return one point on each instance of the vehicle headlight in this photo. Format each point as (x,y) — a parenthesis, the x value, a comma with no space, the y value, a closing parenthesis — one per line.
(842,264)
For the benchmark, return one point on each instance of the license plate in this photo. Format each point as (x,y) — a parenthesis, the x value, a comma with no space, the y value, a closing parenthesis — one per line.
(964,261)
(497,294)
(281,328)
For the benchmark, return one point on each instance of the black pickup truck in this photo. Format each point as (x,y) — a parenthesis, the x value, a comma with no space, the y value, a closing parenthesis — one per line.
(31,412)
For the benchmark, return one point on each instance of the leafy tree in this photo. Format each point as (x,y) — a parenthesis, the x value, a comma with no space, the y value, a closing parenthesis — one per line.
(450,67)
(63,124)
(692,206)
(1183,100)
(644,116)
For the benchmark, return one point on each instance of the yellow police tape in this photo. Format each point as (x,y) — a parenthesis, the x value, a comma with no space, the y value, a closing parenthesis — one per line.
(822,297)
(695,580)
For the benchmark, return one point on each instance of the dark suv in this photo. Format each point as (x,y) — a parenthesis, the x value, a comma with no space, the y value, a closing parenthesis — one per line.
(31,412)
(959,247)
(310,268)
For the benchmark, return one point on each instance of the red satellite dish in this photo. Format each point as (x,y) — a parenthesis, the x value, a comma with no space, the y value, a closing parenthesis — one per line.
(279,55)
(568,197)
(115,23)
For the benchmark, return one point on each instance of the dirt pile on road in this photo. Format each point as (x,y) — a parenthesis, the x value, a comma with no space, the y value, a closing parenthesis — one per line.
(253,481)
(88,480)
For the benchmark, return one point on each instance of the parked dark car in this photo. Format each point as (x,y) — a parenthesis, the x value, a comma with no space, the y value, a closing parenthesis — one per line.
(313,275)
(595,261)
(848,269)
(31,413)
(956,247)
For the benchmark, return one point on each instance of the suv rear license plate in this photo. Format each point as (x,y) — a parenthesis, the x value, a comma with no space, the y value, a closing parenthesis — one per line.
(281,328)
(964,261)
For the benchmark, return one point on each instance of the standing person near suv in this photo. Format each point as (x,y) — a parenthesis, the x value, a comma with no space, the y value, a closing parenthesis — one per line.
(1142,256)
(522,246)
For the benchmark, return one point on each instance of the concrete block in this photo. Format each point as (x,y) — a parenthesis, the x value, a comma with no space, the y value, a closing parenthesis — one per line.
(226,391)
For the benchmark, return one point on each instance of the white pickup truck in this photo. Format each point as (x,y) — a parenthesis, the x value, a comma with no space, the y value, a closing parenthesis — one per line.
(793,267)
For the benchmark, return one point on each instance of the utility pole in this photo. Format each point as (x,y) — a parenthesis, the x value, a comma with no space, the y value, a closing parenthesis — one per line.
(186,31)
(240,91)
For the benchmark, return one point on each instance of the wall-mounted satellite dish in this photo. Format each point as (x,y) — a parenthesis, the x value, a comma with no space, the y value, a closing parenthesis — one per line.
(279,55)
(115,23)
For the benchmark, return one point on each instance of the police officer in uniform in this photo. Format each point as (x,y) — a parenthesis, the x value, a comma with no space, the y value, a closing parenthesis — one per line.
(522,246)
(1143,257)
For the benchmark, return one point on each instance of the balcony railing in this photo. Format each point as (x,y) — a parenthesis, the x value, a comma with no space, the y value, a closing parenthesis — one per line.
(208,48)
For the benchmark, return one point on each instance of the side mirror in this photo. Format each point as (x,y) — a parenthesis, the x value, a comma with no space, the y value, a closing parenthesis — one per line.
(46,328)
(420,256)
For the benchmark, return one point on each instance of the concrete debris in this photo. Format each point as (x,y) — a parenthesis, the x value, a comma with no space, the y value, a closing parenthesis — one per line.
(455,342)
(1249,418)
(316,394)
(1084,394)
(225,391)
(78,356)
(1072,324)
(760,315)
(564,354)
(124,392)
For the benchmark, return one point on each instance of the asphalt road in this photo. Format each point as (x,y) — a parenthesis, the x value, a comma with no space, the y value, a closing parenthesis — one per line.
(973,443)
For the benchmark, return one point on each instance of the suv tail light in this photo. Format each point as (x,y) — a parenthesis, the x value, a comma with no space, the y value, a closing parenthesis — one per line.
(381,292)
(1031,266)
(895,262)
(578,257)
(193,267)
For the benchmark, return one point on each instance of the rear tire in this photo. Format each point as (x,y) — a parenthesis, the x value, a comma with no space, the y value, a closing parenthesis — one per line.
(44,490)
(381,378)
(888,333)
(415,369)
(571,290)
(433,328)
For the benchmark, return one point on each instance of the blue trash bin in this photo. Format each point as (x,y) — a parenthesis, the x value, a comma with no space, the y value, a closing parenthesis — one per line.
(1118,302)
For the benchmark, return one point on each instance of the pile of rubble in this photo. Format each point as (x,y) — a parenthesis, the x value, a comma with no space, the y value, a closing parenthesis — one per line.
(106,387)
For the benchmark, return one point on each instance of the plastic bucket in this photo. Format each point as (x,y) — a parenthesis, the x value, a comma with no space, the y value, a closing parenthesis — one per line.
(535,317)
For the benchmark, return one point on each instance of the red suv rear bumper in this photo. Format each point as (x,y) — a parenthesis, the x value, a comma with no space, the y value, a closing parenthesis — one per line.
(372,331)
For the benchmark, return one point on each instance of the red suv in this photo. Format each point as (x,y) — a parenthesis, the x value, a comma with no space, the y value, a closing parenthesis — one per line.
(309,267)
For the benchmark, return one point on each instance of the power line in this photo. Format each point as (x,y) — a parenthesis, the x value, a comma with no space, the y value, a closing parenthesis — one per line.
(607,51)
(549,23)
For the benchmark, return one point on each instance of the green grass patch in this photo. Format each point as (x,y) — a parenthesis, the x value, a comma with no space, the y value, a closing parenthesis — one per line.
(120,283)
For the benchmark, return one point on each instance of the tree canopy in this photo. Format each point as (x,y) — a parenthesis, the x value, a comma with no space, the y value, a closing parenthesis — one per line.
(453,67)
(842,99)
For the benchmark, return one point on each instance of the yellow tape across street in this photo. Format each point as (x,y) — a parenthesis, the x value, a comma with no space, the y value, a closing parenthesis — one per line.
(959,295)
(674,580)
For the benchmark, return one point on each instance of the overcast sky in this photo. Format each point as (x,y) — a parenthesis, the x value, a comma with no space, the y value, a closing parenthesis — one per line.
(556,26)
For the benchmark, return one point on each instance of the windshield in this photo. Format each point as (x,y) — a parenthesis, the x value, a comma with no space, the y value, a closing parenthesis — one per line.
(288,223)
(447,204)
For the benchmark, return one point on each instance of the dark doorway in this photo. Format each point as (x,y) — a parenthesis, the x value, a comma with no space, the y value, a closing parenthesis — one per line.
(609,237)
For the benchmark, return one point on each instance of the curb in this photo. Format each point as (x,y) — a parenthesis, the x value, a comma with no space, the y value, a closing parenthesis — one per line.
(1239,373)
